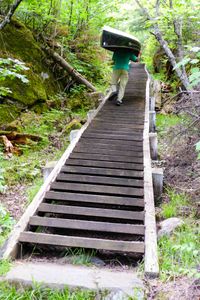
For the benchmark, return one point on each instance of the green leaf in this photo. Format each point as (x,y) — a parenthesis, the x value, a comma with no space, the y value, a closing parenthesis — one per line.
(183,62)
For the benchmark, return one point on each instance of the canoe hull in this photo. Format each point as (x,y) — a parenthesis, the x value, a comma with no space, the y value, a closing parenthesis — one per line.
(112,39)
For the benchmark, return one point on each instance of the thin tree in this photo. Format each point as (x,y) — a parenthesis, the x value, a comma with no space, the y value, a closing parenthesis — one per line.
(159,36)
(10,14)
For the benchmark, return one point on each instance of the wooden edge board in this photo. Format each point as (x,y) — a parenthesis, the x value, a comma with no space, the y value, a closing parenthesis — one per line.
(9,248)
(73,241)
(151,255)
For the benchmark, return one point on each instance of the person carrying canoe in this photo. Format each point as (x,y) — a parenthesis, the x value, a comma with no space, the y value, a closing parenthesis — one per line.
(121,58)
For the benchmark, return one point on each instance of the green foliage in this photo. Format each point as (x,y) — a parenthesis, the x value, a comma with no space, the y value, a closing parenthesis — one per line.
(9,292)
(193,62)
(2,179)
(5,266)
(11,68)
(165,122)
(176,201)
(6,224)
(33,189)
(198,149)
(179,254)
(80,256)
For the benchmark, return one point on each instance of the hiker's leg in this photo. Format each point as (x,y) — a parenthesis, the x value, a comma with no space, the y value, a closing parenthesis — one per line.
(113,85)
(122,86)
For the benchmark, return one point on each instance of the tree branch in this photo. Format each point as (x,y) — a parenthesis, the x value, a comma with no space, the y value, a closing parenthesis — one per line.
(10,14)
(159,36)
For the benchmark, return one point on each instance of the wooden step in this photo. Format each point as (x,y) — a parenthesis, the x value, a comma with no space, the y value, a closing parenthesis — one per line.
(91,211)
(130,137)
(87,225)
(73,241)
(110,151)
(100,180)
(125,143)
(104,164)
(97,189)
(103,157)
(113,145)
(77,198)
(102,171)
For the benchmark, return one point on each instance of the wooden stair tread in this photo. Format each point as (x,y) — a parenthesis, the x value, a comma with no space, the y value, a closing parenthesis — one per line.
(73,241)
(87,225)
(89,198)
(91,211)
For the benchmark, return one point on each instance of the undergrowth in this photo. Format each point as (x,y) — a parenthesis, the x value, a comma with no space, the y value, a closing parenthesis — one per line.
(179,253)
(10,292)
(80,256)
(173,206)
(6,223)
(5,266)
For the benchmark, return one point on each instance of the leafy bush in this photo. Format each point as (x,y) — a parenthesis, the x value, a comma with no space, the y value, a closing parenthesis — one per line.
(193,62)
(198,149)
(6,224)
(171,209)
(179,254)
(11,68)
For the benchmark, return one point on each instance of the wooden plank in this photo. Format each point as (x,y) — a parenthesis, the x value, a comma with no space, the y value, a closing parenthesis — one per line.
(102,171)
(100,180)
(151,255)
(72,241)
(87,225)
(108,141)
(128,137)
(120,122)
(89,198)
(111,144)
(127,150)
(104,157)
(115,131)
(104,164)
(101,125)
(97,189)
(91,211)
(110,151)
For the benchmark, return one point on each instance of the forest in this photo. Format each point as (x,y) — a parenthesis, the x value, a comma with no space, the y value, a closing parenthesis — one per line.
(53,72)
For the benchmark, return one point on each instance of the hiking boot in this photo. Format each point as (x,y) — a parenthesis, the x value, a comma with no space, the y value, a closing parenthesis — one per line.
(118,102)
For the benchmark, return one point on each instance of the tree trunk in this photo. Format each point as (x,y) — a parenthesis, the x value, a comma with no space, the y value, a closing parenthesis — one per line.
(178,31)
(10,14)
(158,35)
(76,75)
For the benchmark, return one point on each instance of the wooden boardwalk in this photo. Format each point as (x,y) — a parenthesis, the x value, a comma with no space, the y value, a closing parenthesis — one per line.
(97,198)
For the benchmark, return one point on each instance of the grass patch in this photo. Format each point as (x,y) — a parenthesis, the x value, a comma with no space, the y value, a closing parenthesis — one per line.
(176,201)
(6,224)
(9,292)
(179,254)
(5,266)
(165,122)
(33,189)
(80,256)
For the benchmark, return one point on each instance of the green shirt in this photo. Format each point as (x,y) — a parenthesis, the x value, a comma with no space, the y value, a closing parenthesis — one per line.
(121,59)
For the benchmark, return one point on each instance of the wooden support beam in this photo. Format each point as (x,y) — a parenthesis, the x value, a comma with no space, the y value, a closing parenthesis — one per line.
(153,145)
(157,183)
(152,121)
(152,103)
